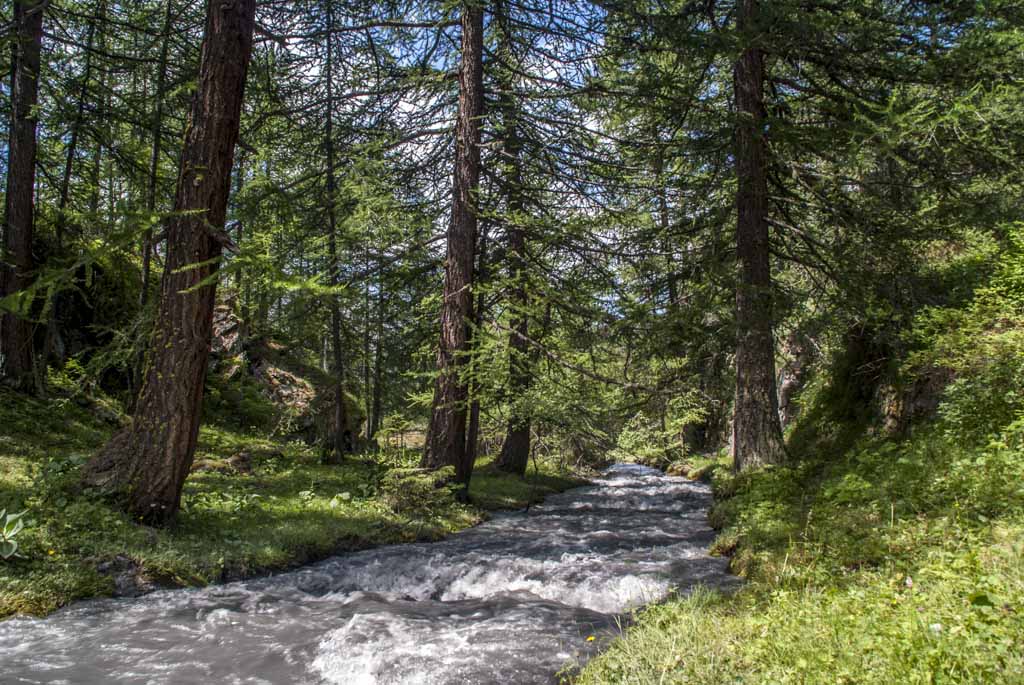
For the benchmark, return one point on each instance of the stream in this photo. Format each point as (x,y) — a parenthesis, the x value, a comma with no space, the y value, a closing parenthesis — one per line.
(513,600)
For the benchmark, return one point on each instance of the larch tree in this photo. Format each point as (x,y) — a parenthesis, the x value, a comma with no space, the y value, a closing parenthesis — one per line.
(757,432)
(146,463)
(54,349)
(446,434)
(156,132)
(16,265)
(76,128)
(341,438)
(515,450)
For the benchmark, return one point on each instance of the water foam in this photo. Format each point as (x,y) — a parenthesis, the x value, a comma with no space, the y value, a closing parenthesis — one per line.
(512,601)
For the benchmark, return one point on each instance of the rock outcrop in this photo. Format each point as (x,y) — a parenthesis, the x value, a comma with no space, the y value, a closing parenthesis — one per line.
(302,397)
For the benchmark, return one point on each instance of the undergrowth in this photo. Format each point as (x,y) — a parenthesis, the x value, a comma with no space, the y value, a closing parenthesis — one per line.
(871,558)
(902,563)
(279,509)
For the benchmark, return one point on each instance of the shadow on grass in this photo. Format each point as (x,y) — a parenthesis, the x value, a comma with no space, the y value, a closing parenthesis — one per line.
(289,511)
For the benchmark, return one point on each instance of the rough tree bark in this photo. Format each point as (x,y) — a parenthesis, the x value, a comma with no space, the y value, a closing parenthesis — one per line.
(757,434)
(146,463)
(16,262)
(446,435)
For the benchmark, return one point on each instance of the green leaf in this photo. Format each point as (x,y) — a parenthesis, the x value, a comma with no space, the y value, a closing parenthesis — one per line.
(8,548)
(981,599)
(13,526)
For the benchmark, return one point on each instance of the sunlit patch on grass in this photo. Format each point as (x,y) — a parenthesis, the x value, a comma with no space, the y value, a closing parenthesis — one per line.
(282,510)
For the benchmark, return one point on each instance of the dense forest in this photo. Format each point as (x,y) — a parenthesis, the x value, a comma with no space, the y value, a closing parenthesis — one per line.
(281,280)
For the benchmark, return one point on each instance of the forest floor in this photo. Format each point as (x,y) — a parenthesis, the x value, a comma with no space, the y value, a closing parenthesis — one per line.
(275,508)
(897,562)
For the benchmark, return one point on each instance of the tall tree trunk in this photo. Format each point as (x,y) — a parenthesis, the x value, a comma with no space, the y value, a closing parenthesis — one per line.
(147,462)
(378,361)
(113,189)
(101,128)
(367,392)
(16,264)
(239,229)
(664,224)
(341,436)
(97,161)
(156,134)
(54,349)
(156,139)
(515,451)
(757,434)
(473,426)
(473,431)
(446,435)
(76,127)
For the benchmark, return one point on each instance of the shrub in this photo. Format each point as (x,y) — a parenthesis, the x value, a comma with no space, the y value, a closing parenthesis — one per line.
(983,344)
(658,442)
(238,402)
(419,494)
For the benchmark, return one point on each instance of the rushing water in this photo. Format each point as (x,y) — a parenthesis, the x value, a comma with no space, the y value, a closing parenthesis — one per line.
(513,600)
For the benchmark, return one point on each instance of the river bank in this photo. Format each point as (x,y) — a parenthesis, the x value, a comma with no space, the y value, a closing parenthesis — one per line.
(515,599)
(273,508)
(897,562)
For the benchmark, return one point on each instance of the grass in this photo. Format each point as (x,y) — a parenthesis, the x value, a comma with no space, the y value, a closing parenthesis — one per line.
(288,511)
(493,490)
(870,559)
(898,562)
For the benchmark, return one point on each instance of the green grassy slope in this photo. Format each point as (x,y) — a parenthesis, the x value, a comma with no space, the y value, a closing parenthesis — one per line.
(872,558)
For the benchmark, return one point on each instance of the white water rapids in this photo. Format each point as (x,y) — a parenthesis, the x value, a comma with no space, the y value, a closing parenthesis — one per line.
(513,600)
